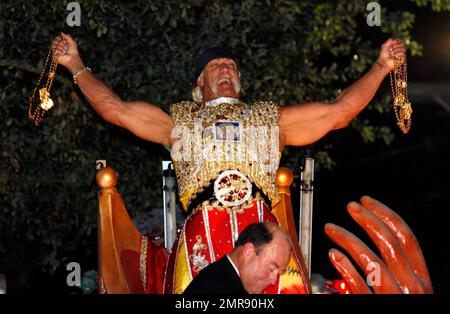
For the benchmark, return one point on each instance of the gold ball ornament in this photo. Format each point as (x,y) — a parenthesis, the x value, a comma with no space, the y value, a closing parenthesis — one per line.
(285,177)
(107,177)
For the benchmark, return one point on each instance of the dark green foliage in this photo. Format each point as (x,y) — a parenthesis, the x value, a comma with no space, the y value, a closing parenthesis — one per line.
(291,51)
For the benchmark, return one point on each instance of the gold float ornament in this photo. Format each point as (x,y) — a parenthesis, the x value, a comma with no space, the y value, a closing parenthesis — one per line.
(399,85)
(37,111)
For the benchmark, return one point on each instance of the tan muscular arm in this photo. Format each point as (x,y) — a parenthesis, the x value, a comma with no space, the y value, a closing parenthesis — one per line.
(143,119)
(304,124)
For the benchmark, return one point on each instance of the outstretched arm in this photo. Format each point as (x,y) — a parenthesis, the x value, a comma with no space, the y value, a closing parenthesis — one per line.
(304,124)
(143,119)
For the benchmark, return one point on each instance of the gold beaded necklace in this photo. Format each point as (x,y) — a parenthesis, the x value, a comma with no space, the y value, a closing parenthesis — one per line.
(45,102)
(402,106)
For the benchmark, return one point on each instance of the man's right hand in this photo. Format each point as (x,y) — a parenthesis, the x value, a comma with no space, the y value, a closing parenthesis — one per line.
(67,53)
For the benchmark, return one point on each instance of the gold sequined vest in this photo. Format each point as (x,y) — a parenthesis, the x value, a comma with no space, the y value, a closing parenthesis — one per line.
(212,139)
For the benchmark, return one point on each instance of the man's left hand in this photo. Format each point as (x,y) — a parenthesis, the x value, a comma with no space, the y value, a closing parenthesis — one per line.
(389,50)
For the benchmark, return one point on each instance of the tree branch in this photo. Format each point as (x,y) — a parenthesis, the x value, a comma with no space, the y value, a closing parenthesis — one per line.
(26,67)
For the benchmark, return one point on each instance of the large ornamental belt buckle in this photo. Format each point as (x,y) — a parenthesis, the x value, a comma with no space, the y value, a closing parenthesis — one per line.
(232,188)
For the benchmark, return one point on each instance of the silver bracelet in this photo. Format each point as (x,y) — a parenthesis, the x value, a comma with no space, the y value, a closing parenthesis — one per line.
(79,72)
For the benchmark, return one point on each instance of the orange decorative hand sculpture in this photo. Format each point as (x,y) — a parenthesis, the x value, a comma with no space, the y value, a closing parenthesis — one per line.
(401,268)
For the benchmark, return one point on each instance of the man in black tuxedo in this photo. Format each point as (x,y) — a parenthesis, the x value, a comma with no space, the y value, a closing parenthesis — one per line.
(260,254)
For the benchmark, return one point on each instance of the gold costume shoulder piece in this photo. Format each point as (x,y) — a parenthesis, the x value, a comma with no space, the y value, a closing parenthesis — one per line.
(213,139)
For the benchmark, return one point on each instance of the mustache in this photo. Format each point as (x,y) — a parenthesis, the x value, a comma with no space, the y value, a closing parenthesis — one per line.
(235,82)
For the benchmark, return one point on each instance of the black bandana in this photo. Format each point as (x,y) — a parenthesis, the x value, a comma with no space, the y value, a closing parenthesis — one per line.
(210,54)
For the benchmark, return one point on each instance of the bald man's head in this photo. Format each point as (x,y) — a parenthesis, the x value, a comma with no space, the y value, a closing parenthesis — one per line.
(263,251)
